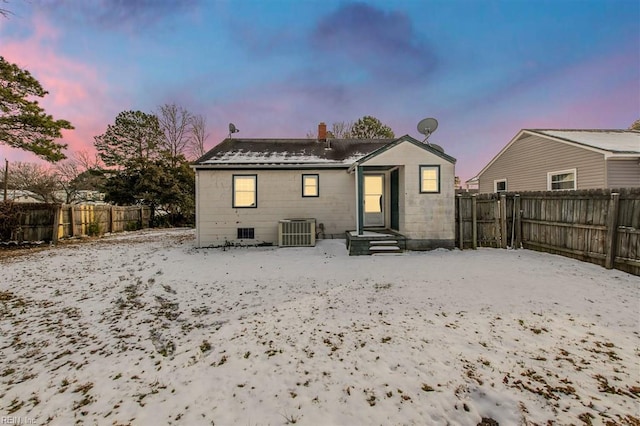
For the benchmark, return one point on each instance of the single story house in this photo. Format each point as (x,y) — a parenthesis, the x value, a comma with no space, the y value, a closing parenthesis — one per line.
(550,160)
(247,190)
(23,196)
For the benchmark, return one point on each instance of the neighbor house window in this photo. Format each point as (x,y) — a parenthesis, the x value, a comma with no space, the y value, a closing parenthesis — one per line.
(310,185)
(245,191)
(564,179)
(430,179)
(500,185)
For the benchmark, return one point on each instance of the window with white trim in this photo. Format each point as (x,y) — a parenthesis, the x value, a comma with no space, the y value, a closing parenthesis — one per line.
(430,179)
(562,180)
(310,185)
(500,185)
(245,191)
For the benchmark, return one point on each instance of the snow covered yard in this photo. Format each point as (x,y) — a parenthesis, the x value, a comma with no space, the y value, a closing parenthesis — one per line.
(142,328)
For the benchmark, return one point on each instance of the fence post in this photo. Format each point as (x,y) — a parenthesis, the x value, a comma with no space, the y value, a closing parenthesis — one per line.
(460,225)
(612,230)
(496,219)
(111,219)
(57,211)
(72,219)
(474,221)
(503,220)
(518,222)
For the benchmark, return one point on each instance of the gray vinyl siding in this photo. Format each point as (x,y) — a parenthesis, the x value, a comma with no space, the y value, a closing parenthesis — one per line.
(527,161)
(623,173)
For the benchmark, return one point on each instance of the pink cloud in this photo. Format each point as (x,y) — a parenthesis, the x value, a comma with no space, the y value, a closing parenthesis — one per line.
(76,90)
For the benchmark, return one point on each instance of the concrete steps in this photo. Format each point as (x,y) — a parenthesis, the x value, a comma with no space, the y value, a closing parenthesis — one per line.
(384,247)
(378,242)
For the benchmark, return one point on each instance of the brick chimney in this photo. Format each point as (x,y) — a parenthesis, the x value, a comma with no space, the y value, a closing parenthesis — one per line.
(322,132)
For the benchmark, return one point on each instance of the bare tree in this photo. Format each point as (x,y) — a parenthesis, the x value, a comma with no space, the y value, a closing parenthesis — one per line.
(4,12)
(342,129)
(66,173)
(339,130)
(175,123)
(74,174)
(199,136)
(42,181)
(87,161)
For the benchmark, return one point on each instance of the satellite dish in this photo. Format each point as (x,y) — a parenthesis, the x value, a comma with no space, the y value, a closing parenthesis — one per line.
(437,147)
(233,129)
(427,126)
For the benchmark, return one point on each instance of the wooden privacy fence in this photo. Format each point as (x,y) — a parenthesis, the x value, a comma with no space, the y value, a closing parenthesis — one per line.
(598,226)
(49,222)
(88,219)
(26,221)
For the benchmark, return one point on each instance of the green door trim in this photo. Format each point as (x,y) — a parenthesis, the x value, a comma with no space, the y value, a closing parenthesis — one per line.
(360,201)
(394,198)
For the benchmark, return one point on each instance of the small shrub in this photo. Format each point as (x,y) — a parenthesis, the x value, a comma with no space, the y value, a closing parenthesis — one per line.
(131,225)
(10,218)
(94,229)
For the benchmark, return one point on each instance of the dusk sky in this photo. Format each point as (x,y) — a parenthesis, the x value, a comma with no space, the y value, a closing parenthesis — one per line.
(484,69)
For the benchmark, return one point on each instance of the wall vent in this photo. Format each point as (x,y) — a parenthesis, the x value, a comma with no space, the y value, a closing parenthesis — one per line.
(297,233)
(246,233)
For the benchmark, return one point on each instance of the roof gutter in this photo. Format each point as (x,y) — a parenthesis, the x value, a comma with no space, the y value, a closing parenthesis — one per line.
(621,156)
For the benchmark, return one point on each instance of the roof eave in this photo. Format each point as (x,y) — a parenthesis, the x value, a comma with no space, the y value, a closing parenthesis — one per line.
(621,155)
(272,166)
(405,138)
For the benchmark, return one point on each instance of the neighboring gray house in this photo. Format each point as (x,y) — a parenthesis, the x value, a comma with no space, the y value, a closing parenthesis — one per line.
(549,160)
(23,196)
(246,190)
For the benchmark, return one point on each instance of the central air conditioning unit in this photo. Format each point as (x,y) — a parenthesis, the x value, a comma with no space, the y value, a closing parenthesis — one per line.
(297,233)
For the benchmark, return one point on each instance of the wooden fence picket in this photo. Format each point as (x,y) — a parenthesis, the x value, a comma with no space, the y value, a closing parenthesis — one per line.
(598,226)
(49,222)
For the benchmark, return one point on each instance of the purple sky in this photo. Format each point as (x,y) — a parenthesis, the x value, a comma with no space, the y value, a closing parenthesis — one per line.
(485,68)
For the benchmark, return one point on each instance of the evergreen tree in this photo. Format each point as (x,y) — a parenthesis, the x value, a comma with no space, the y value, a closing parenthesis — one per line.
(23,123)
(369,127)
(132,141)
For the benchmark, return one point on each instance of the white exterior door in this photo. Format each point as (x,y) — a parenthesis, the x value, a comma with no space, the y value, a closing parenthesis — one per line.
(373,200)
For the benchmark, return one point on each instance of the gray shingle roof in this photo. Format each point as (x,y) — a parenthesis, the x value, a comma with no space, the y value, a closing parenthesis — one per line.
(342,152)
